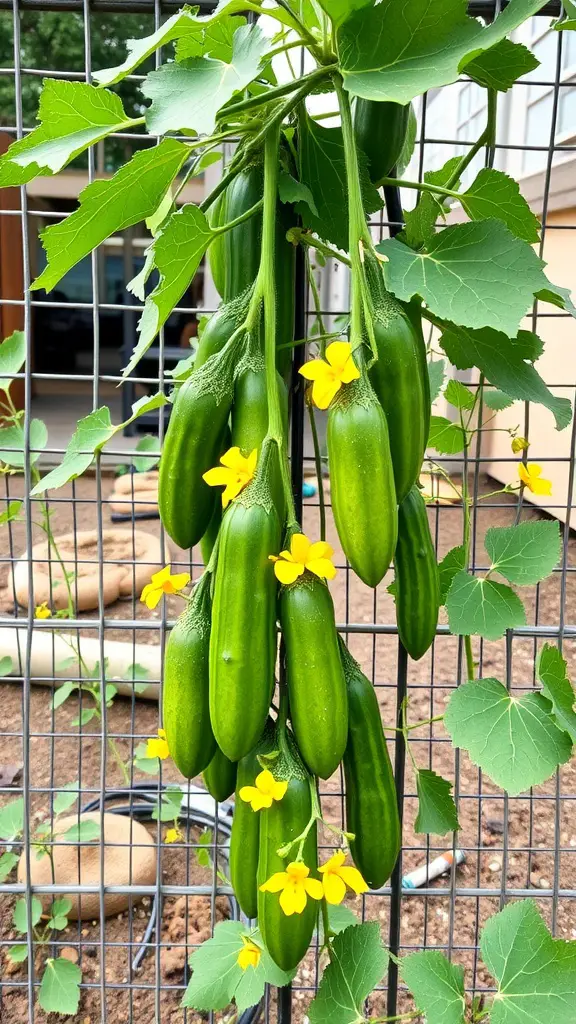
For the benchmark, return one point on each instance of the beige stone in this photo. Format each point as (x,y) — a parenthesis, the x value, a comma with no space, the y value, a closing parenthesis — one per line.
(129,557)
(129,859)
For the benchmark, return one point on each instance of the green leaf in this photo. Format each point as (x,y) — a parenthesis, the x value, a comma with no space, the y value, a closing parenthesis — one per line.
(11,513)
(437,986)
(557,296)
(18,953)
(62,693)
(8,862)
(13,438)
(178,250)
(148,765)
(436,808)
(59,914)
(384,57)
(60,988)
(12,357)
(420,222)
(84,831)
(449,567)
(19,918)
(140,49)
(169,804)
(436,374)
(446,437)
(569,21)
(217,977)
(507,363)
(536,974)
(85,716)
(187,95)
(12,819)
(339,917)
(292,191)
(357,964)
(66,797)
(512,739)
(496,400)
(340,10)
(459,395)
(214,39)
(73,116)
(502,65)
(494,194)
(476,275)
(147,443)
(323,171)
(525,553)
(482,607)
(6,666)
(106,206)
(551,671)
(91,433)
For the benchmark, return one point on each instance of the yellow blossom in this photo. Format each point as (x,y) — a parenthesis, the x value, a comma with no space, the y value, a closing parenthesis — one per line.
(294,886)
(249,955)
(42,611)
(234,473)
(289,565)
(336,877)
(331,373)
(519,444)
(264,791)
(163,583)
(157,746)
(530,477)
(173,835)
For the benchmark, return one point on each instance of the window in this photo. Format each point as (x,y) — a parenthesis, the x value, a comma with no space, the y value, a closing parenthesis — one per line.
(540,98)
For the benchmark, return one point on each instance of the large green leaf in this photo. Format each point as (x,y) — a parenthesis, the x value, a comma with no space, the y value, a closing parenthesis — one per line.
(446,437)
(431,207)
(73,116)
(453,562)
(494,194)
(502,65)
(323,171)
(507,363)
(178,250)
(339,10)
(357,963)
(536,974)
(187,95)
(556,686)
(387,57)
(134,193)
(12,357)
(513,739)
(139,50)
(60,988)
(213,39)
(482,607)
(476,275)
(217,977)
(525,553)
(12,443)
(437,986)
(12,819)
(436,808)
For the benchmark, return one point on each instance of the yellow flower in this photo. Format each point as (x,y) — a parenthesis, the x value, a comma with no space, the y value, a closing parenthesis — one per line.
(42,611)
(249,955)
(336,878)
(520,444)
(289,565)
(529,476)
(294,886)
(163,583)
(331,373)
(234,474)
(173,835)
(158,746)
(264,791)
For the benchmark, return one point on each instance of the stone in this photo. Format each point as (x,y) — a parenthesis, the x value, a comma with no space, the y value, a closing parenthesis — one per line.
(129,859)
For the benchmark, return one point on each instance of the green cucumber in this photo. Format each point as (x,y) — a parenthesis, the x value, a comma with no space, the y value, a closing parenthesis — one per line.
(245,836)
(216,249)
(417,577)
(220,776)
(380,130)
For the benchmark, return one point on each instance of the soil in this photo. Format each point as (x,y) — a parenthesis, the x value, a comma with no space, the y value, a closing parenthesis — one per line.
(508,842)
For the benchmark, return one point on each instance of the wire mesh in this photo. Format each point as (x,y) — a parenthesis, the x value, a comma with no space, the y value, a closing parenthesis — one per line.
(134,962)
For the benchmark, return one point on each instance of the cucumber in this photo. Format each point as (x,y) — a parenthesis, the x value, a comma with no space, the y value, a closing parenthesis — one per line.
(216,250)
(245,837)
(220,776)
(380,130)
(417,577)
(216,333)
(242,244)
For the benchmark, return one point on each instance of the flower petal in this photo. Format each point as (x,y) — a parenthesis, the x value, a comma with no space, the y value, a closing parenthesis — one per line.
(247,793)
(233,459)
(260,800)
(180,580)
(323,391)
(217,477)
(299,547)
(265,782)
(279,790)
(159,577)
(322,567)
(275,883)
(353,879)
(314,888)
(287,572)
(315,369)
(320,549)
(334,862)
(350,372)
(338,354)
(251,462)
(235,485)
(334,887)
(152,598)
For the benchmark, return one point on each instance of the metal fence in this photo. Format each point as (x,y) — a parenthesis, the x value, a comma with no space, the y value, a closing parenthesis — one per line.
(133,962)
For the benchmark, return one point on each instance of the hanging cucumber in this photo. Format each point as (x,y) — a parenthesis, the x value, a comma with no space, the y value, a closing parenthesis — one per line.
(417,579)
(371,802)
(216,250)
(245,836)
(192,446)
(220,776)
(362,480)
(217,332)
(316,685)
(380,130)
(208,539)
(242,244)
(185,705)
(243,638)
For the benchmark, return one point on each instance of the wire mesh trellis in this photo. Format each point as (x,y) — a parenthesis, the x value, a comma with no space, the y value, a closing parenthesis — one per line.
(134,962)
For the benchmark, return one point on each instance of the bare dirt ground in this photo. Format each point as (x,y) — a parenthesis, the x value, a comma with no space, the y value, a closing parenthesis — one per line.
(509,843)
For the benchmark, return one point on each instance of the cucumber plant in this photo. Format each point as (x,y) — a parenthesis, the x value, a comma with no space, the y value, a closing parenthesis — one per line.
(292,182)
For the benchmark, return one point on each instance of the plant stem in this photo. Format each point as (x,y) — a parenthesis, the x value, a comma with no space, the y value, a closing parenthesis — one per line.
(318,467)
(240,219)
(466,540)
(272,94)
(314,243)
(486,138)
(420,186)
(415,725)
(328,933)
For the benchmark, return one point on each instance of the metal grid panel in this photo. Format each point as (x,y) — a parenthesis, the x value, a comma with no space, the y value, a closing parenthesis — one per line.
(535,847)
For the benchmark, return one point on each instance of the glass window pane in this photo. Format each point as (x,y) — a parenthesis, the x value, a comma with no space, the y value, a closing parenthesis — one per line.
(545,50)
(537,132)
(567,110)
(568,49)
(464,103)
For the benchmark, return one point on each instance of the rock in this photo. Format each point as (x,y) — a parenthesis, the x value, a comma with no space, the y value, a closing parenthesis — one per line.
(495,826)
(494,866)
(69,953)
(129,859)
